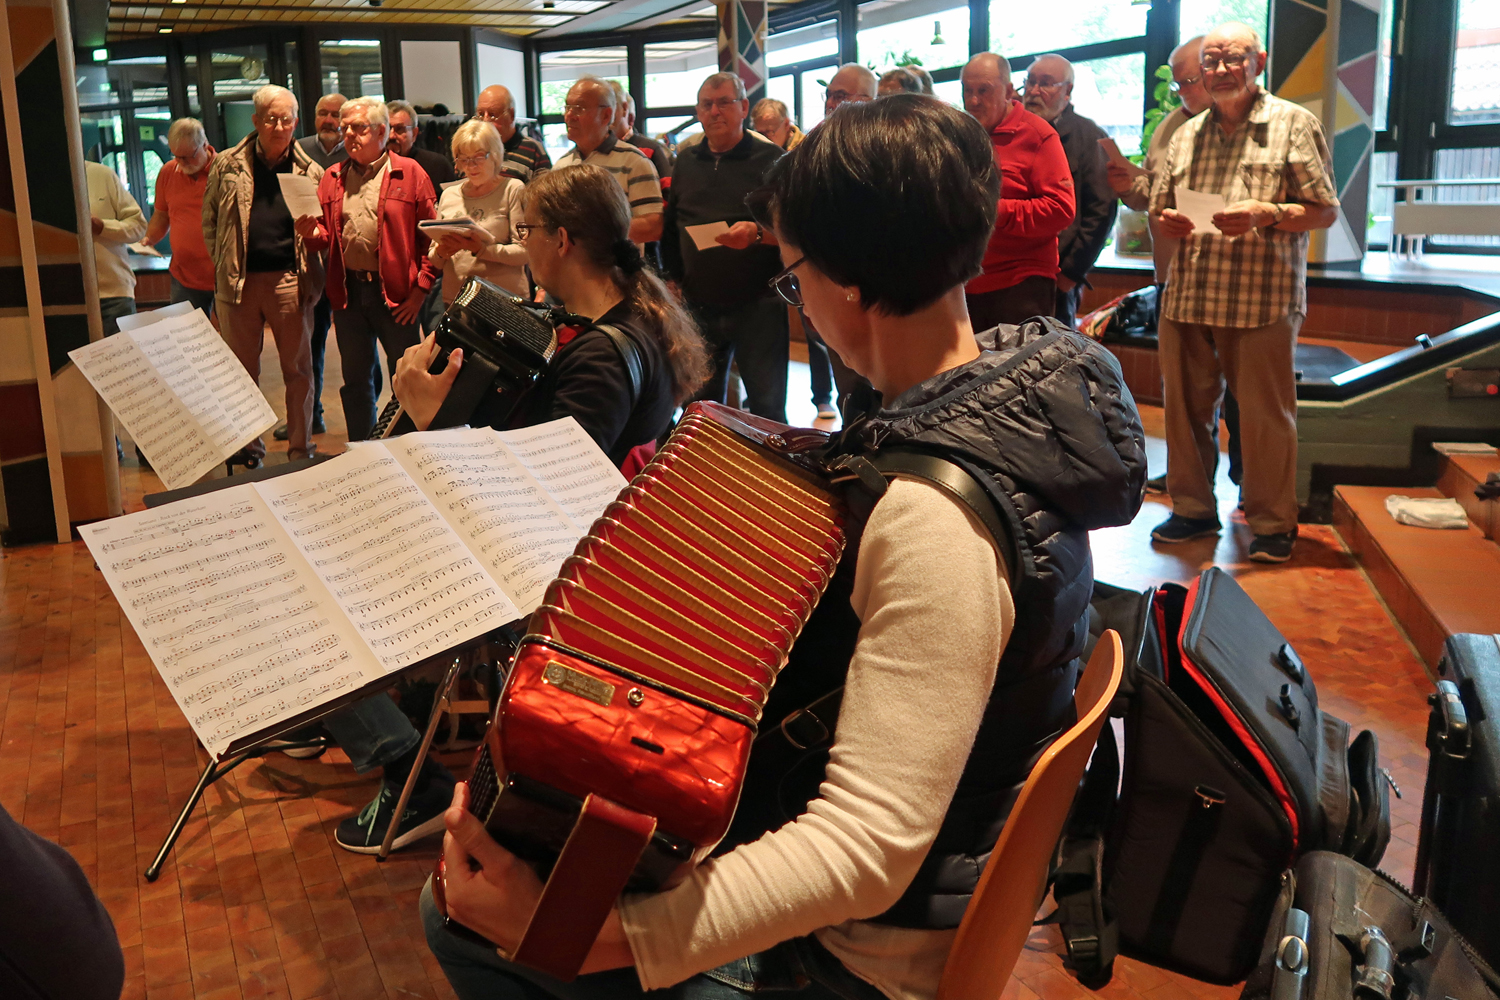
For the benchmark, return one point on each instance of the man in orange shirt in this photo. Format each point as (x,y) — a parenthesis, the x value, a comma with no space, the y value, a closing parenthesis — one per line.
(179,199)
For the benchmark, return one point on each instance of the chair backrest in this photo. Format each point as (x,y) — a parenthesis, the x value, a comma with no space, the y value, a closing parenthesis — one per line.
(998,920)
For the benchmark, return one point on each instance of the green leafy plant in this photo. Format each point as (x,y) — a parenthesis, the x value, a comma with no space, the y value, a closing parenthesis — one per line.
(1166,102)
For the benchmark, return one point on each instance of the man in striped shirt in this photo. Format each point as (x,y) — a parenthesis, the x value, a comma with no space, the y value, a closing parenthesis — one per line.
(1238,291)
(590,116)
(525,158)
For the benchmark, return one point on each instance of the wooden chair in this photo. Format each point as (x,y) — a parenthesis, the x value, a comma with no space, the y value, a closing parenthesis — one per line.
(998,921)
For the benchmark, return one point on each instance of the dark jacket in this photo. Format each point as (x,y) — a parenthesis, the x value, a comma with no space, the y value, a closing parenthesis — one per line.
(435,165)
(660,158)
(708,188)
(1044,422)
(1078,246)
(588,380)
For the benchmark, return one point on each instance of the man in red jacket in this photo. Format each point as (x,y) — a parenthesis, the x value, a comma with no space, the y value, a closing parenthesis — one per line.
(378,269)
(1019,279)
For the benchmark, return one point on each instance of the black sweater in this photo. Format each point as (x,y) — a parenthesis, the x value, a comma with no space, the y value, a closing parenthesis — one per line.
(708,188)
(1078,246)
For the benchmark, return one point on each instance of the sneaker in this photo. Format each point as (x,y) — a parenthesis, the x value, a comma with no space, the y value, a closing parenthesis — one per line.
(1157,484)
(362,834)
(281,433)
(1273,548)
(1184,529)
(827,412)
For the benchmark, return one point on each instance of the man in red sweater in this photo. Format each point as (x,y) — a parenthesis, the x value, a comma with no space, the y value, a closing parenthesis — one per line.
(1019,279)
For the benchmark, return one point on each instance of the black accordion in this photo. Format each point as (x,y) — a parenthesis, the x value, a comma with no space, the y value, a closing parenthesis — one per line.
(507,345)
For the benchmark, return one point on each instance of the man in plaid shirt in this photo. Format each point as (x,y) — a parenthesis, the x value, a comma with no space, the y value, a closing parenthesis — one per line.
(1238,292)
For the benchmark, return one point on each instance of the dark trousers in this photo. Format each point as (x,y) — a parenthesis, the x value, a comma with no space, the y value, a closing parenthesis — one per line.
(821,368)
(755,336)
(1067,305)
(322,320)
(112,308)
(365,320)
(201,298)
(1027,298)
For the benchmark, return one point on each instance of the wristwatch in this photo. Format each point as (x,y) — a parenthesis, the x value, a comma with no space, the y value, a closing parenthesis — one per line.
(760,234)
(1277,214)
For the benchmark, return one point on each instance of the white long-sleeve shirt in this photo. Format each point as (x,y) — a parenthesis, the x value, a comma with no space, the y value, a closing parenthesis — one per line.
(935,612)
(123,223)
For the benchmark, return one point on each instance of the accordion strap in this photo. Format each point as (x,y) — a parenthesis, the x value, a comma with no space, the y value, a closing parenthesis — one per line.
(589,876)
(630,354)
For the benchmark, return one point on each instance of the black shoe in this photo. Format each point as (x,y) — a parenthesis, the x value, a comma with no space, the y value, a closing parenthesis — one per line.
(363,833)
(281,433)
(1273,548)
(140,456)
(318,427)
(1157,484)
(1184,529)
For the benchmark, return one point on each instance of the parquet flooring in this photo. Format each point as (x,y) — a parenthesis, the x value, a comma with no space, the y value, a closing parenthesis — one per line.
(257,901)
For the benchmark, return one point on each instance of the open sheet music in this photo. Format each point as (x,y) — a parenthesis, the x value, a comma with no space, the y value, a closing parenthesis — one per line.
(180,392)
(261,601)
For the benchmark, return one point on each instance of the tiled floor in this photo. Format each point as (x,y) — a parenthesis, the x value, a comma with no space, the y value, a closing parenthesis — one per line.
(257,901)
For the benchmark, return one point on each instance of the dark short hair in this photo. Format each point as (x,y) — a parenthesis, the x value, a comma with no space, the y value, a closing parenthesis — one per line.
(895,197)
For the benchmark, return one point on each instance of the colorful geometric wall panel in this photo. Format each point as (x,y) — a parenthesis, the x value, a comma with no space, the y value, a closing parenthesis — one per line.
(742,43)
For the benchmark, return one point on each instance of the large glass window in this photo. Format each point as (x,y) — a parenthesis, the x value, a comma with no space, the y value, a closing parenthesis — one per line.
(784,89)
(560,70)
(237,74)
(124,116)
(1382,199)
(1025,29)
(190,74)
(890,36)
(819,41)
(814,83)
(351,66)
(1112,92)
(1199,17)
(675,71)
(1475,94)
(1459,164)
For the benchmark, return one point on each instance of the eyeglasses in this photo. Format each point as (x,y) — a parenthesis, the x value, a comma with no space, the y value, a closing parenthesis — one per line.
(786,285)
(843,96)
(525,229)
(401,129)
(1176,85)
(721,103)
(358,128)
(579,109)
(470,161)
(1039,85)
(1230,63)
(279,121)
(486,116)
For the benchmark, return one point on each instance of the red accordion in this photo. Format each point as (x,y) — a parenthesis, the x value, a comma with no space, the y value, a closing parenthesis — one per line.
(622,735)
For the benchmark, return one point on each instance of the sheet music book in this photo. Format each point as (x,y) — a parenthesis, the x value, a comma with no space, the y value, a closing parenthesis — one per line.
(180,391)
(262,601)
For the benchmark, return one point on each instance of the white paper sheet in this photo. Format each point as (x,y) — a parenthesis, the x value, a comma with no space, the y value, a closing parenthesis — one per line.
(246,414)
(704,235)
(144,249)
(301,195)
(395,567)
(437,228)
(137,320)
(1201,208)
(577,473)
(229,611)
(159,421)
(1112,150)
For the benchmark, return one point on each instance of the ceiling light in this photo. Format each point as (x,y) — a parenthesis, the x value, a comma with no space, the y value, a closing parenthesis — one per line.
(163,31)
(101,55)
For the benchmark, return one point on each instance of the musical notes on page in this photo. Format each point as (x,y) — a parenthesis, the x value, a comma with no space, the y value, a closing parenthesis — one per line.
(234,618)
(246,414)
(397,571)
(577,472)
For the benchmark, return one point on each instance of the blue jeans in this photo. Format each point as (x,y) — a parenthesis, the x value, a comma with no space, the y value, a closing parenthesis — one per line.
(201,298)
(800,967)
(755,335)
(373,732)
(365,320)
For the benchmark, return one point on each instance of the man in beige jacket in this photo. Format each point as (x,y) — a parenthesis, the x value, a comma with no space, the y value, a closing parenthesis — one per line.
(266,275)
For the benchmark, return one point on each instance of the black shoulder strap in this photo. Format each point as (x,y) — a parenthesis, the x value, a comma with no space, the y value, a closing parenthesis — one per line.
(956,481)
(631,354)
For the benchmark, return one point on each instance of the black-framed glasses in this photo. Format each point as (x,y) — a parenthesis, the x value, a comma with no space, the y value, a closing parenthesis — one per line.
(1229,62)
(525,229)
(786,285)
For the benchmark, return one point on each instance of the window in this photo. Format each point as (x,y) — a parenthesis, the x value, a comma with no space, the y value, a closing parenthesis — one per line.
(675,71)
(814,83)
(560,70)
(889,37)
(1112,92)
(1382,200)
(951,91)
(124,117)
(784,89)
(1457,164)
(817,42)
(237,74)
(675,127)
(1199,17)
(351,66)
(1030,29)
(1475,94)
(1383,62)
(555,139)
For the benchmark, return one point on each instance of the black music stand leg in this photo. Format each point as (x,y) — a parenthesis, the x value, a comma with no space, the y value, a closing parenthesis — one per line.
(439,699)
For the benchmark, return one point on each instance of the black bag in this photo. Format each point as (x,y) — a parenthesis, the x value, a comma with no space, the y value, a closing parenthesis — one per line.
(1458,852)
(1231,773)
(1340,930)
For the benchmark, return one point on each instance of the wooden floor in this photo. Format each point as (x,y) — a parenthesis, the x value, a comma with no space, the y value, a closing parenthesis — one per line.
(257,901)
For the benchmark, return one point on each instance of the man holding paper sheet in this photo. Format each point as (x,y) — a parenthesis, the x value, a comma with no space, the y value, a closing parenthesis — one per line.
(719,257)
(1241,186)
(266,274)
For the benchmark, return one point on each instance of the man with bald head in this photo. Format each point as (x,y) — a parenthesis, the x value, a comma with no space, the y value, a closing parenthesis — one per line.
(525,158)
(326,146)
(1019,277)
(1238,290)
(589,114)
(1049,95)
(852,83)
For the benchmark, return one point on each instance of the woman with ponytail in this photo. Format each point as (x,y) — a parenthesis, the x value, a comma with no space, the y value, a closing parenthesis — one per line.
(577,240)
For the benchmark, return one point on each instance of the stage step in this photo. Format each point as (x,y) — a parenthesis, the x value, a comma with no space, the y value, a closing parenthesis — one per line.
(1436,583)
(1461,473)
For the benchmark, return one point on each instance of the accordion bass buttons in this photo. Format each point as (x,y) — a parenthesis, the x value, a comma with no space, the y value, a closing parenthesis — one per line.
(635,696)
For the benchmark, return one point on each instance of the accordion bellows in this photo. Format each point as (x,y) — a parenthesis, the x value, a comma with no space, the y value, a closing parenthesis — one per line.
(647,667)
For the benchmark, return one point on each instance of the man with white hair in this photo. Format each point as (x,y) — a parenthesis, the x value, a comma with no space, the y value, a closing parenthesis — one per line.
(624,129)
(266,274)
(325,145)
(1238,292)
(852,83)
(378,268)
(179,196)
(525,158)
(590,116)
(1049,96)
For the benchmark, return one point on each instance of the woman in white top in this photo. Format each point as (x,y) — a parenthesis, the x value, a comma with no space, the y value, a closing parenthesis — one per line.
(493,200)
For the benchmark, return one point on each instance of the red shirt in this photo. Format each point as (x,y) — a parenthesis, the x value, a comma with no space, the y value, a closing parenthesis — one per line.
(406,198)
(1036,202)
(179,198)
